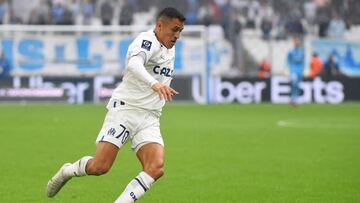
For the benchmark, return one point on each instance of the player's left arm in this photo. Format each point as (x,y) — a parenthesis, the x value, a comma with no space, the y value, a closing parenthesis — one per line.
(136,66)
(164,91)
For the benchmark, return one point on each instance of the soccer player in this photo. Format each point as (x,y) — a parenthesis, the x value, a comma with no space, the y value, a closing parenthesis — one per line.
(296,63)
(134,111)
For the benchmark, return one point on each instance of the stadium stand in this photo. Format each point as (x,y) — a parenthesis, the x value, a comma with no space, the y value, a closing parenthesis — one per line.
(260,24)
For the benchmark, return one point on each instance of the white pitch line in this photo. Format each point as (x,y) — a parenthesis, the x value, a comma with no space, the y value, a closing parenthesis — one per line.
(300,124)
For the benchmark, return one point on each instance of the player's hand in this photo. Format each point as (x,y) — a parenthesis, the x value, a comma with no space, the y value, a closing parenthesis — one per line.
(164,91)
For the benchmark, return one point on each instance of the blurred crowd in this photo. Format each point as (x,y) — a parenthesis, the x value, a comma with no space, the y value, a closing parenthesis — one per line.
(274,19)
(277,18)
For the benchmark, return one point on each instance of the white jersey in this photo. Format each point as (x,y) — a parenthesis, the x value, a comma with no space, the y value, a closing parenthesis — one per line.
(159,62)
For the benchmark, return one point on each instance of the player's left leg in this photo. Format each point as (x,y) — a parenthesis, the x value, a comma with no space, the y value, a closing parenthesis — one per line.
(151,157)
(299,91)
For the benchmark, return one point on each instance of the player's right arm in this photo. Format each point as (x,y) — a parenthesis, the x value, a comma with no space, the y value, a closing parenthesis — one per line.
(288,59)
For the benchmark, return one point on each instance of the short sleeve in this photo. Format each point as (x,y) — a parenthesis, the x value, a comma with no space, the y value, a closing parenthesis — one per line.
(142,43)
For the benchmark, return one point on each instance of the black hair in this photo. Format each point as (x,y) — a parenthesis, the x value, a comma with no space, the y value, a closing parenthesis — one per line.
(171,13)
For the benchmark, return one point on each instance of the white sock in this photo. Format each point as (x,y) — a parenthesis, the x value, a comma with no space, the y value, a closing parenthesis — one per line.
(136,188)
(77,168)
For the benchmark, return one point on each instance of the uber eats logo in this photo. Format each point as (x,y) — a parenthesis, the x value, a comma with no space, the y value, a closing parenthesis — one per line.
(277,90)
(244,92)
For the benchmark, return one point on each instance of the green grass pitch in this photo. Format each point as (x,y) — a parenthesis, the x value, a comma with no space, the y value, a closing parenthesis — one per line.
(214,153)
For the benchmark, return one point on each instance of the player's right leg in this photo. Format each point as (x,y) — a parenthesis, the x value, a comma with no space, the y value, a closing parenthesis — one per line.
(294,88)
(112,136)
(98,165)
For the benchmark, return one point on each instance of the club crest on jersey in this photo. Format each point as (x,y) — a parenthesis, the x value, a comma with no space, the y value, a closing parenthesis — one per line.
(146,45)
(111,131)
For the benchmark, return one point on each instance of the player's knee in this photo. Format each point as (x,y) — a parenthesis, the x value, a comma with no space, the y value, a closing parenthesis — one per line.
(155,170)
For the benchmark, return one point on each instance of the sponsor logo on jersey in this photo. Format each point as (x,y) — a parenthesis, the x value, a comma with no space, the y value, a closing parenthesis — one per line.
(146,45)
(167,72)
